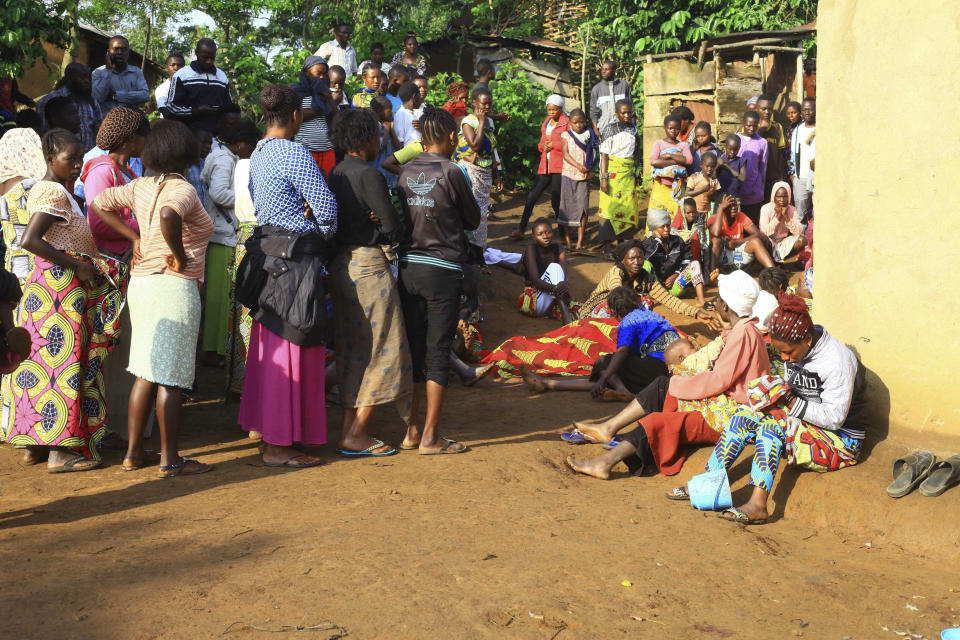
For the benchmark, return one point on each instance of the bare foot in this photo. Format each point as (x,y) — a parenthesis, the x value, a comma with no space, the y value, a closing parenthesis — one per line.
(589,467)
(476,374)
(593,432)
(255,435)
(533,380)
(614,395)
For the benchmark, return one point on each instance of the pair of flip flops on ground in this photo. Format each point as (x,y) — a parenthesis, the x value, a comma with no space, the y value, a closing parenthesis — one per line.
(448,447)
(576,437)
(922,470)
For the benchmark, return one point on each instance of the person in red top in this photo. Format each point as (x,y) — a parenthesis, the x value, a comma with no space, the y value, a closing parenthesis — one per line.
(551,162)
(457,104)
(734,239)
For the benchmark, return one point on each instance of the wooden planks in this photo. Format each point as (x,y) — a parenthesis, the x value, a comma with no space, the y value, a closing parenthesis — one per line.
(676,76)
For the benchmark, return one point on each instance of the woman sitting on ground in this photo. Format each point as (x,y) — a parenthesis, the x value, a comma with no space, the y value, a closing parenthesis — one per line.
(544,270)
(670,259)
(679,411)
(780,222)
(642,336)
(629,272)
(819,421)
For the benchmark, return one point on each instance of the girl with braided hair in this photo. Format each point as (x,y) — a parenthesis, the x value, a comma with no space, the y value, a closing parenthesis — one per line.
(456,106)
(818,420)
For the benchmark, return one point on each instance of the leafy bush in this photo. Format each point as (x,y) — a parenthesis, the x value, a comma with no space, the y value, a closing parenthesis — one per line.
(517,138)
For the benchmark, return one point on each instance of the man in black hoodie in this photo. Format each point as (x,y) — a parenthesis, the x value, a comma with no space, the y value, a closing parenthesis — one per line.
(199,92)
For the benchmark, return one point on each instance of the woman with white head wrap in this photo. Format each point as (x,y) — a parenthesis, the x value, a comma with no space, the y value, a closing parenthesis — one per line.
(682,410)
(551,162)
(21,165)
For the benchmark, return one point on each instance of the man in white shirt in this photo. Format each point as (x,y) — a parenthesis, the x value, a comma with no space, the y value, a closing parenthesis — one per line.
(803,150)
(339,51)
(175,62)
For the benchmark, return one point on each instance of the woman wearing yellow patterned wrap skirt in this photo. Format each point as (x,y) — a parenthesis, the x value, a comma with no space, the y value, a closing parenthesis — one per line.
(619,160)
(71,310)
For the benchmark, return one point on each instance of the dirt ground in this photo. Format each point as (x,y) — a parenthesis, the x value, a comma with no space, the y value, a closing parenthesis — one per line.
(501,542)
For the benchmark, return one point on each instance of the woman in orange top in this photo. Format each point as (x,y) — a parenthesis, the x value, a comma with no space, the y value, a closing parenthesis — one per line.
(164,298)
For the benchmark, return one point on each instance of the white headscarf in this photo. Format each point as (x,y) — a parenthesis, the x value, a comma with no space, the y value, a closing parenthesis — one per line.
(21,155)
(555,100)
(739,291)
(764,308)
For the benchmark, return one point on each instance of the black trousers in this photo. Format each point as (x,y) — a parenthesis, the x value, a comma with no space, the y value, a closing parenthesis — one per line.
(544,180)
(635,373)
(430,297)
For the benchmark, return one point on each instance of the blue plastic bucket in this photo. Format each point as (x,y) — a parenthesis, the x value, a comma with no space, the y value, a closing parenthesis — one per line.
(950,634)
(710,491)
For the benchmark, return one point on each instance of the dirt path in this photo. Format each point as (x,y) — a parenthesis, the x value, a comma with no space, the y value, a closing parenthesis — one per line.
(503,542)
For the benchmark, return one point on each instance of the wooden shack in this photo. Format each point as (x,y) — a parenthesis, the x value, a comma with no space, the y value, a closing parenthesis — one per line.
(716,79)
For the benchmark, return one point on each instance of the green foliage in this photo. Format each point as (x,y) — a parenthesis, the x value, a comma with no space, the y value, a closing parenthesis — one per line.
(517,138)
(26,25)
(437,89)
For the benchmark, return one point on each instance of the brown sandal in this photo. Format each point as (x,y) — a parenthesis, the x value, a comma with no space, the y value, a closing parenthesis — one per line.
(149,458)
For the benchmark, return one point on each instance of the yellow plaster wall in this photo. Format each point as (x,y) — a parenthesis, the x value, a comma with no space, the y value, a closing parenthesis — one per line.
(887,249)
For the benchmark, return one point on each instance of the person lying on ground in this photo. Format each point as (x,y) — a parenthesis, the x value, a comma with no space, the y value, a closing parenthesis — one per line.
(819,422)
(545,266)
(780,222)
(679,411)
(642,336)
(629,272)
(734,239)
(669,258)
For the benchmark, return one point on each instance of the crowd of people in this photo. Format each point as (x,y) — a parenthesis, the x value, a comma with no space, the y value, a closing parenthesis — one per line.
(337,255)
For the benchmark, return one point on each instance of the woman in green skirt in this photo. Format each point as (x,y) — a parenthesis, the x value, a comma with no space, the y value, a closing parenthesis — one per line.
(619,164)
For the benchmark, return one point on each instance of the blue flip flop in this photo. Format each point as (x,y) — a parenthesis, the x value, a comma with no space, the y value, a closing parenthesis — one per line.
(575,437)
(368,452)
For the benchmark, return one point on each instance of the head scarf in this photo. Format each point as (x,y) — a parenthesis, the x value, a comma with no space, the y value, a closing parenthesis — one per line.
(555,100)
(791,321)
(119,126)
(739,291)
(21,155)
(764,308)
(657,218)
(313,87)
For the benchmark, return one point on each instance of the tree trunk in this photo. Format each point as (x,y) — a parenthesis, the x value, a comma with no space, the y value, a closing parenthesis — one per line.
(146,46)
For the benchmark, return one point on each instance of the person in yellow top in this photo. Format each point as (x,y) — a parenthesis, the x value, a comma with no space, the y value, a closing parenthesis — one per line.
(371,85)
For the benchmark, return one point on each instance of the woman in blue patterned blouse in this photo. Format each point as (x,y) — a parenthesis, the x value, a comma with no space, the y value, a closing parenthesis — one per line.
(283,395)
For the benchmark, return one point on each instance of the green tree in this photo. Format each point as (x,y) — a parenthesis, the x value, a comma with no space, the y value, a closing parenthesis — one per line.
(27,24)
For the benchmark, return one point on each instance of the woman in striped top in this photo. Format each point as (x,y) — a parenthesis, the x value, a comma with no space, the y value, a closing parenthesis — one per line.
(319,110)
(164,298)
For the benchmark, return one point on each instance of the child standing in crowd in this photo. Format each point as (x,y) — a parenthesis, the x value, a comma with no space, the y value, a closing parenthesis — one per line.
(424,86)
(195,172)
(403,120)
(731,168)
(579,156)
(377,52)
(669,159)
(544,271)
(337,79)
(754,150)
(397,76)
(441,208)
(703,185)
(371,84)
(702,143)
(734,238)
